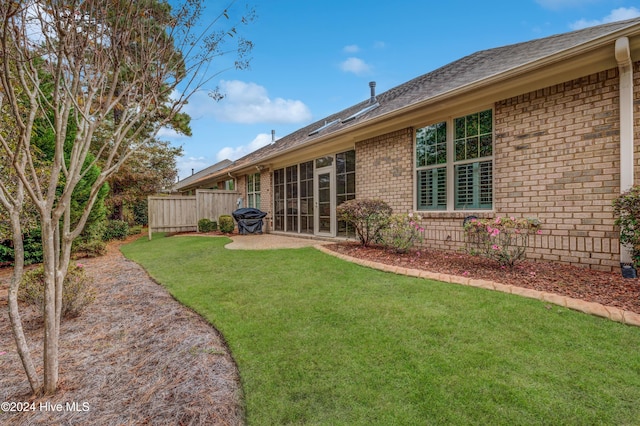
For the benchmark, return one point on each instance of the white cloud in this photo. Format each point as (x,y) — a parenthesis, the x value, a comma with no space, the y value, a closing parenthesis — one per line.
(249,103)
(379,45)
(619,14)
(186,165)
(233,153)
(352,48)
(245,103)
(199,104)
(168,133)
(356,66)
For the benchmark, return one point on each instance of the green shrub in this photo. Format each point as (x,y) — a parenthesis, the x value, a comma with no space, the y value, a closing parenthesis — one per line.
(77,291)
(627,210)
(140,213)
(116,230)
(368,217)
(135,230)
(6,251)
(32,242)
(207,225)
(89,248)
(401,233)
(226,223)
(90,243)
(504,240)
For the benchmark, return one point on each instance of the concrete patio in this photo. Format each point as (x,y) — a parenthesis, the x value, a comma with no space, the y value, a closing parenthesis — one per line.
(271,241)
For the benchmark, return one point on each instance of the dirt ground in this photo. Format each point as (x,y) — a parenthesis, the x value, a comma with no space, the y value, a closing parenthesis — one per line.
(135,356)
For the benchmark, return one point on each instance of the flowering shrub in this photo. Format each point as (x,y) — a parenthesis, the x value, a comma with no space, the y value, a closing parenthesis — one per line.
(401,233)
(627,210)
(368,217)
(503,239)
(77,290)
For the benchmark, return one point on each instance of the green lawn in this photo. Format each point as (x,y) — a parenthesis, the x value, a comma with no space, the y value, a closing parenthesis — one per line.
(322,341)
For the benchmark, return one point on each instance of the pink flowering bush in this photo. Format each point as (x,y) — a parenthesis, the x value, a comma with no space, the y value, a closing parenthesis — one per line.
(368,217)
(503,239)
(401,233)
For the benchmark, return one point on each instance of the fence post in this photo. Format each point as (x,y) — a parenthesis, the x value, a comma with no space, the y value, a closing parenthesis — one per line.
(149,216)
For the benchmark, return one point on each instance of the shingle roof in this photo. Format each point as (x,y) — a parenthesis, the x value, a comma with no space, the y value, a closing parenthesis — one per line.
(202,174)
(465,71)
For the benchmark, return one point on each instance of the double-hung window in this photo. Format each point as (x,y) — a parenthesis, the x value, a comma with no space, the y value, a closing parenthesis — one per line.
(431,163)
(253,190)
(454,164)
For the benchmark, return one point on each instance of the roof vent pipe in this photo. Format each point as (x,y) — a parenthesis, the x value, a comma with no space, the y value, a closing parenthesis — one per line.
(273,136)
(372,85)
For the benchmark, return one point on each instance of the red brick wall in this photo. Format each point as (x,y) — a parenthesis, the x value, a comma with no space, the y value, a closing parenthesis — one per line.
(266,199)
(556,157)
(384,169)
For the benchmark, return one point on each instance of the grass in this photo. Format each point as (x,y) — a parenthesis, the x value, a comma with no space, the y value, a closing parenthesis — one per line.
(322,341)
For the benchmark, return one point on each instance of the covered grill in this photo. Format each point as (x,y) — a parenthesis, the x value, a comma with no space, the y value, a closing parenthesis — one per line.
(249,220)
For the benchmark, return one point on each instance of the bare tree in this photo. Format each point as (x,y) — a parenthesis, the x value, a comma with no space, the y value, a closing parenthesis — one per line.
(90,68)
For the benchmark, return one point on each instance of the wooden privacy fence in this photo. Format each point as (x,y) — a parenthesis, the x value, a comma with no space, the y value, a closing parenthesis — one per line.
(181,213)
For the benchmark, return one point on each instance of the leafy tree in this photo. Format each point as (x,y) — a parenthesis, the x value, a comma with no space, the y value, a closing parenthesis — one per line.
(119,70)
(147,172)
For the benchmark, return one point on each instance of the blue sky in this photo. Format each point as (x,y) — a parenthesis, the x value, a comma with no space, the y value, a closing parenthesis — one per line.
(312,58)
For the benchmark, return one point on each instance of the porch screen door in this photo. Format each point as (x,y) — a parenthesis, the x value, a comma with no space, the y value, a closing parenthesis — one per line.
(324,195)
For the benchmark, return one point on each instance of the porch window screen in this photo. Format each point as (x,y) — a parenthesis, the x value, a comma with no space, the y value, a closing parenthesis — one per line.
(306,197)
(292,198)
(278,200)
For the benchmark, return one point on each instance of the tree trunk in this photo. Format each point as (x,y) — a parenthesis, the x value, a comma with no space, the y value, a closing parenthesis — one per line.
(51,333)
(117,211)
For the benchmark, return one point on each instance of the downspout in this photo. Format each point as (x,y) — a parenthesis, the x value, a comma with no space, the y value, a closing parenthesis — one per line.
(625,68)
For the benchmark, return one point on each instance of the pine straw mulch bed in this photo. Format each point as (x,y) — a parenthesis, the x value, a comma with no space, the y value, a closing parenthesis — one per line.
(135,356)
(606,288)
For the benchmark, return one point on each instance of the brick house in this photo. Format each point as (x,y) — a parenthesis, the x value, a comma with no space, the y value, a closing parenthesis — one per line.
(544,129)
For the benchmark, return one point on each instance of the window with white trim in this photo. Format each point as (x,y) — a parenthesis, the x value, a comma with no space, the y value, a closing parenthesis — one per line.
(431,164)
(253,190)
(345,187)
(458,151)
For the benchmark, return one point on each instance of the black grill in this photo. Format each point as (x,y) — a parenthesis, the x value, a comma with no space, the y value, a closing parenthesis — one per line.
(249,220)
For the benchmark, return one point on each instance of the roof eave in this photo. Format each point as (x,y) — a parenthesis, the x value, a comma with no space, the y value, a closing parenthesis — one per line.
(587,58)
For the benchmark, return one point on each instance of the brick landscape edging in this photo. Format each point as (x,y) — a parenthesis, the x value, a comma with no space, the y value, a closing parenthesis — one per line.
(592,308)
